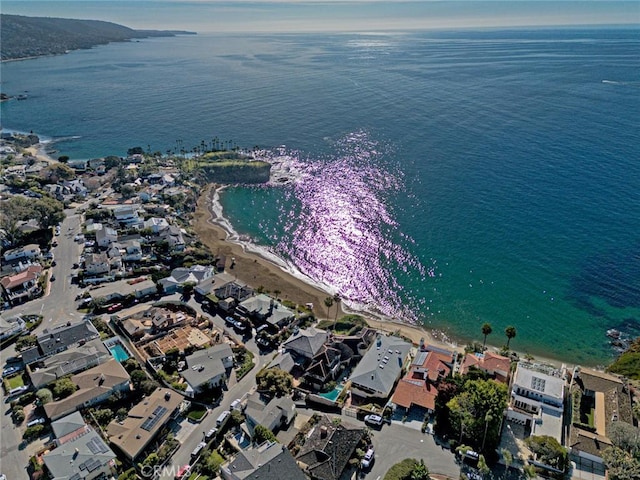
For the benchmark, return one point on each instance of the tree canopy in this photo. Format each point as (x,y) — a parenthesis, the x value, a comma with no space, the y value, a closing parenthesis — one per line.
(476,412)
(548,451)
(274,381)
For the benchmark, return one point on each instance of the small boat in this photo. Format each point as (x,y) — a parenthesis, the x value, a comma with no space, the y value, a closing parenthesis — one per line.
(22,96)
(613,333)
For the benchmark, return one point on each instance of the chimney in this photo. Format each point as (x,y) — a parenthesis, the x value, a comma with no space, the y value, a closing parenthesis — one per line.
(323,432)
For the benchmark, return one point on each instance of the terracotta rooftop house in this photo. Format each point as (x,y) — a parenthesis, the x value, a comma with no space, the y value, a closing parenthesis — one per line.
(495,365)
(23,285)
(605,399)
(419,387)
(328,448)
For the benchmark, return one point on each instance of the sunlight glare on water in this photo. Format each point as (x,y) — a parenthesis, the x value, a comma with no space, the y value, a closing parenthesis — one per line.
(345,235)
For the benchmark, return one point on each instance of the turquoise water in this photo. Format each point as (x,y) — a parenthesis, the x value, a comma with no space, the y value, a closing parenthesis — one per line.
(119,353)
(333,394)
(447,178)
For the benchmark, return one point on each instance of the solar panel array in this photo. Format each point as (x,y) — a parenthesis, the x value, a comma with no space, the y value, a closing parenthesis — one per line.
(96,446)
(150,422)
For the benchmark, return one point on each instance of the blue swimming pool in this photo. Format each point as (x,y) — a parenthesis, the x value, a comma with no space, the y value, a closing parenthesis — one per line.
(119,352)
(333,394)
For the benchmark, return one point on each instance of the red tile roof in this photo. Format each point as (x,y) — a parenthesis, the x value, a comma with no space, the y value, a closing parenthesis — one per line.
(31,273)
(415,392)
(489,362)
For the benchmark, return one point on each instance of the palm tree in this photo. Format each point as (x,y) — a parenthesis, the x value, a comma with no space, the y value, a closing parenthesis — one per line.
(420,471)
(328,302)
(486,330)
(487,419)
(336,300)
(510,332)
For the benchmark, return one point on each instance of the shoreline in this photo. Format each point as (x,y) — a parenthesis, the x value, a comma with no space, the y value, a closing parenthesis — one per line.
(256,268)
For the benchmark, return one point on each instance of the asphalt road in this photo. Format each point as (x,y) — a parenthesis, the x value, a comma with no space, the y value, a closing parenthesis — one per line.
(57,306)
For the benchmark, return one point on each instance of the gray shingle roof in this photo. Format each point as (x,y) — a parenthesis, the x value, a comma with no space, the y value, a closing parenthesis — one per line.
(80,457)
(269,461)
(307,342)
(380,367)
(61,338)
(206,364)
(68,424)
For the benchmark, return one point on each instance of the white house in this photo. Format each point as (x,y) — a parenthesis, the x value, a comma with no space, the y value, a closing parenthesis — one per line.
(156,224)
(28,251)
(106,236)
(97,263)
(537,399)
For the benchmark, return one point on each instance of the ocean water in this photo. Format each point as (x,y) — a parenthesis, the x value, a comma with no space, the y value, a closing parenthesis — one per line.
(447,178)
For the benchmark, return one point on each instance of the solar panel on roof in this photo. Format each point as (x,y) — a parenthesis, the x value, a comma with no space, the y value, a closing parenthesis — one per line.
(159,410)
(94,465)
(96,446)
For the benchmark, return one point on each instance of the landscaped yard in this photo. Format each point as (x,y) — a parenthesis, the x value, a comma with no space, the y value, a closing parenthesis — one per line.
(14,382)
(197,413)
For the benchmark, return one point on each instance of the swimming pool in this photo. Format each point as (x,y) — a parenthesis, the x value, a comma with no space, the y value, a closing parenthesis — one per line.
(119,352)
(333,394)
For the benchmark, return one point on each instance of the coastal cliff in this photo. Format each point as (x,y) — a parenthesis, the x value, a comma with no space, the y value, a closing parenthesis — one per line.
(25,37)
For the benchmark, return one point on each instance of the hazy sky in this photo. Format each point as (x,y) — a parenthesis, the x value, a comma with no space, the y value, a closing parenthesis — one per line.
(332,15)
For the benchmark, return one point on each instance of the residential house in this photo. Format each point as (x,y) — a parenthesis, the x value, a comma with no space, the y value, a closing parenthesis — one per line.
(306,343)
(93,227)
(10,327)
(59,339)
(380,368)
(76,187)
(28,252)
(327,364)
(70,361)
(78,165)
(97,264)
(136,328)
(144,421)
(94,386)
(179,276)
(328,448)
(283,361)
(207,368)
(418,389)
(266,309)
(496,366)
(224,290)
(132,251)
(537,399)
(28,226)
(21,286)
(268,461)
(106,236)
(604,400)
(173,236)
(127,216)
(80,454)
(156,224)
(139,288)
(274,414)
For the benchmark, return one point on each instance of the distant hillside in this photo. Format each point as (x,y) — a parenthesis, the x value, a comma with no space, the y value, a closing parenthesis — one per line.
(22,37)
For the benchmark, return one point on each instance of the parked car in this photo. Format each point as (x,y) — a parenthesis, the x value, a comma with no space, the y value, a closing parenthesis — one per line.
(114,308)
(10,370)
(373,419)
(230,321)
(368,458)
(36,421)
(183,472)
(211,433)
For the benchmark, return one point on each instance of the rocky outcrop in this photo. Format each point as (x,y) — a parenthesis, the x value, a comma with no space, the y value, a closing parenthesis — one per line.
(238,171)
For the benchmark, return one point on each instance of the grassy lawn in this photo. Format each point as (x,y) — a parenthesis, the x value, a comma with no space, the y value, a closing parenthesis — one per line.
(15,382)
(246,366)
(196,415)
(195,475)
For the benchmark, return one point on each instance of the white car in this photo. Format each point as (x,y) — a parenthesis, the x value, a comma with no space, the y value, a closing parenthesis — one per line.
(37,421)
(373,419)
(368,458)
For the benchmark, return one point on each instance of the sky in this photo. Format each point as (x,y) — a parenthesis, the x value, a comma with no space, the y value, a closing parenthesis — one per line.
(208,16)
